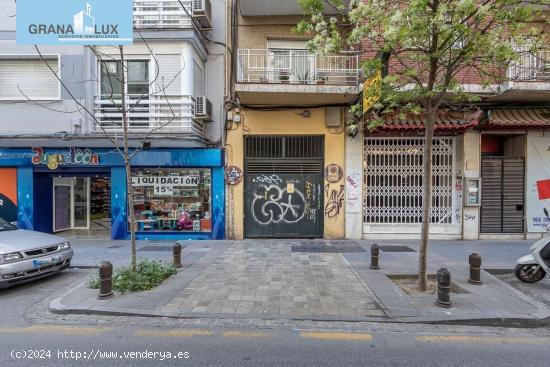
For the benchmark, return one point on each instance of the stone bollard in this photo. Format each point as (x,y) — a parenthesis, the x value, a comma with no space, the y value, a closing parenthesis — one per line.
(105,280)
(176,255)
(443,288)
(374,257)
(475,269)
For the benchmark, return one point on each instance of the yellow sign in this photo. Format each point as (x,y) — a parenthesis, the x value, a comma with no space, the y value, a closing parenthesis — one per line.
(371,91)
(290,188)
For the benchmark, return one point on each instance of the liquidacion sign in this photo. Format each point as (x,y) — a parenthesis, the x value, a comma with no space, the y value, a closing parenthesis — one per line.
(70,22)
(74,156)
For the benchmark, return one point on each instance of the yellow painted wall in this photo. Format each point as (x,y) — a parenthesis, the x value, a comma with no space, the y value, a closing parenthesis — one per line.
(288,122)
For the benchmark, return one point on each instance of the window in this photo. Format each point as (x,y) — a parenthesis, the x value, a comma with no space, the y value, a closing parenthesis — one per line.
(32,78)
(137,93)
(172,199)
(198,80)
(137,77)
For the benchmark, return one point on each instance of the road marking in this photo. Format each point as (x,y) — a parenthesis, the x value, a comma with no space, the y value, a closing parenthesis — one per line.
(56,329)
(244,334)
(483,339)
(319,335)
(177,333)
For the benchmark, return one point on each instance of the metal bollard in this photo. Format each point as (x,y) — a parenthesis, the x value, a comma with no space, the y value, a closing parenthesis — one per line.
(176,255)
(443,288)
(475,269)
(105,280)
(374,257)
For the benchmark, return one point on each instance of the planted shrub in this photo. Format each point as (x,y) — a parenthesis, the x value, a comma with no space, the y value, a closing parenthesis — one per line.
(149,274)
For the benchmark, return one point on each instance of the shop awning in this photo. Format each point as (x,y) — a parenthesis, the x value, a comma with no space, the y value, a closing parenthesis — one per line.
(445,121)
(515,118)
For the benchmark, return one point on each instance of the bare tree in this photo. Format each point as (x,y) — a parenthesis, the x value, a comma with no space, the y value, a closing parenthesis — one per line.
(124,105)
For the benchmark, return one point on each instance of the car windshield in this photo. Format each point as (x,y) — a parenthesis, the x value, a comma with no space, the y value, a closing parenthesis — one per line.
(6,226)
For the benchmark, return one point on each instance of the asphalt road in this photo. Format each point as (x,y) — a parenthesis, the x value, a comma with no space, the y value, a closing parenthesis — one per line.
(105,342)
(90,345)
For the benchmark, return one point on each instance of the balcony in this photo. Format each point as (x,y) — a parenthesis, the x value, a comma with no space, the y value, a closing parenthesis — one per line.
(159,14)
(157,114)
(296,77)
(529,77)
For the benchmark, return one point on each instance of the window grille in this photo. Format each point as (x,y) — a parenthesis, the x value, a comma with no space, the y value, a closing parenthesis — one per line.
(393,180)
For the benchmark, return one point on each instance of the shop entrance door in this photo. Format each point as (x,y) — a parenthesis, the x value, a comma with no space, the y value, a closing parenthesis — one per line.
(71,203)
(284,187)
(62,208)
(502,195)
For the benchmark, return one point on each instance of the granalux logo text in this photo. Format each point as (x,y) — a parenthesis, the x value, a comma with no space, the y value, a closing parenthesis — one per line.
(74,22)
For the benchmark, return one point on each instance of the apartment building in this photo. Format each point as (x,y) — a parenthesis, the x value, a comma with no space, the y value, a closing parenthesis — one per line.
(60,136)
(286,128)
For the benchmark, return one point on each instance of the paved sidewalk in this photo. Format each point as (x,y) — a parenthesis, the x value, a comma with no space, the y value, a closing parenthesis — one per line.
(266,280)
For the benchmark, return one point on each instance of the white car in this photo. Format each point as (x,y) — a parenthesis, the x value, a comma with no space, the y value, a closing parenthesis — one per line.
(28,255)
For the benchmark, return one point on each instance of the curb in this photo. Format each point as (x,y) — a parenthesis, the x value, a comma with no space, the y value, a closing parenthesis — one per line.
(57,307)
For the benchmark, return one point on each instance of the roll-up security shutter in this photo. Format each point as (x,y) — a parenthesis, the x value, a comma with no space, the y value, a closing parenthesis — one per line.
(32,78)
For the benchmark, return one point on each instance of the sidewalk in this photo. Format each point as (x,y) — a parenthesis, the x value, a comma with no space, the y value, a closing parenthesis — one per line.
(309,280)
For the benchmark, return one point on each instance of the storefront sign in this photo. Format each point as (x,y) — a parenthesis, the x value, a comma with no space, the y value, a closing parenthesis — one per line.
(69,22)
(75,156)
(165,181)
(538,183)
(233,175)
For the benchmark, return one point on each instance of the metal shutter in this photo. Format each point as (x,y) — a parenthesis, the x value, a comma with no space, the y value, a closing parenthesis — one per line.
(28,77)
(502,207)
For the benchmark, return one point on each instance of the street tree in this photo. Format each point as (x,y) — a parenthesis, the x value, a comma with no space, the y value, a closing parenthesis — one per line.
(422,49)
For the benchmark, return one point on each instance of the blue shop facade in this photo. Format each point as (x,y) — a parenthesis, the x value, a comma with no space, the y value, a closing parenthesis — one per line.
(178,193)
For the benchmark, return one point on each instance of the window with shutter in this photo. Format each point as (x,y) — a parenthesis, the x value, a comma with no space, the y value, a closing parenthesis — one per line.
(22,79)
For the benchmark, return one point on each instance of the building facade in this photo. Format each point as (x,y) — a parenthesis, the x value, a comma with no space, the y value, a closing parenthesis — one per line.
(61,138)
(286,128)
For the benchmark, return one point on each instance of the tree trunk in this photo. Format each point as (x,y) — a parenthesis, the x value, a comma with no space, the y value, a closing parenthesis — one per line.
(426,200)
(127,163)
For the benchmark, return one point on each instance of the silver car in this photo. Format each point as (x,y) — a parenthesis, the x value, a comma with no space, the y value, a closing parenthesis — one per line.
(28,255)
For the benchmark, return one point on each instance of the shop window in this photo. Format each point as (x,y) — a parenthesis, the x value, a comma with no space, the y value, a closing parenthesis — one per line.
(172,199)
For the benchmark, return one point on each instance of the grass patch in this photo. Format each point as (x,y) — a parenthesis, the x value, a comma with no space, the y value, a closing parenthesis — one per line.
(149,274)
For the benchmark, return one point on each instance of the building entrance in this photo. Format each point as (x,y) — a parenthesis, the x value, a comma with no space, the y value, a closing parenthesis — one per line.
(81,205)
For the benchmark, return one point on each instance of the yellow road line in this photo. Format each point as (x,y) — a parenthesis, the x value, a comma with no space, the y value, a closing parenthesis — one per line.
(176,333)
(335,336)
(244,334)
(482,339)
(56,329)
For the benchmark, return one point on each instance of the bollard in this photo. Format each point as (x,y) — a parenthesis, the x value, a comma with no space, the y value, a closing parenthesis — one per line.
(374,257)
(105,280)
(443,288)
(176,258)
(475,269)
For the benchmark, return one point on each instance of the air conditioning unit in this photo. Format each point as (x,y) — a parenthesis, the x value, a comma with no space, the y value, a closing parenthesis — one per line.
(202,12)
(203,109)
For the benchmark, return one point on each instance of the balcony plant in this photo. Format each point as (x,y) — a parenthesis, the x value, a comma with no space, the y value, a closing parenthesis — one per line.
(284,77)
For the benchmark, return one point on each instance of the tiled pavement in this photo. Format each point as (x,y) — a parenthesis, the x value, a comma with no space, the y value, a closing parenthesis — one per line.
(266,278)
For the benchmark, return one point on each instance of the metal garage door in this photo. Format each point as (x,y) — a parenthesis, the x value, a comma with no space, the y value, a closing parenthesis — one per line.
(284,187)
(502,195)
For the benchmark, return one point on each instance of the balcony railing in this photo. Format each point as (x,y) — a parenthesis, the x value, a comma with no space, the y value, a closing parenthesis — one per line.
(531,66)
(148,114)
(162,14)
(297,67)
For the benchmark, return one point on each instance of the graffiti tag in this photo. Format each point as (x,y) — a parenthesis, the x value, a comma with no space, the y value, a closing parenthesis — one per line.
(273,179)
(335,201)
(352,182)
(273,204)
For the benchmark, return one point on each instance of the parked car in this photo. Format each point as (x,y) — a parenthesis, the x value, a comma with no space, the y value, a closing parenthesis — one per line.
(28,255)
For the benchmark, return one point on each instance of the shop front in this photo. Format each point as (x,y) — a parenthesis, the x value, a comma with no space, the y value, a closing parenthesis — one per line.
(178,193)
